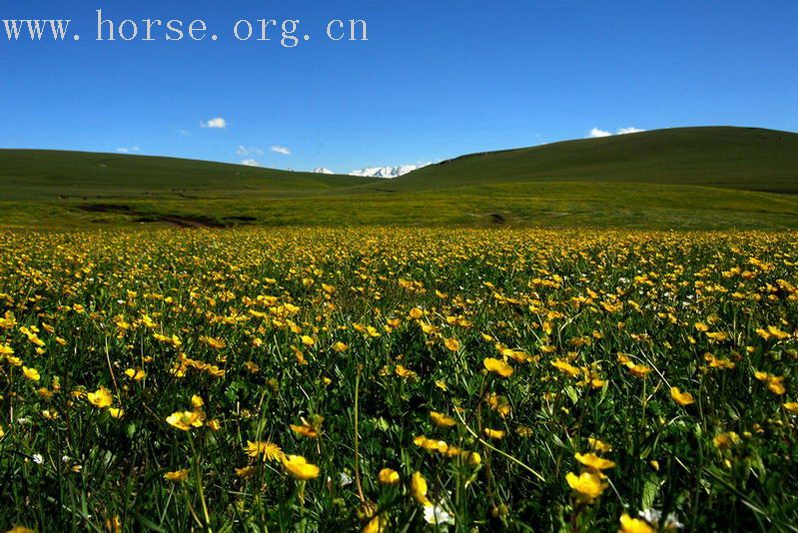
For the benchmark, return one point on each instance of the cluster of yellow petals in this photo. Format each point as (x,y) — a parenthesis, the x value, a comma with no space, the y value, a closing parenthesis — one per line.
(774,383)
(268,451)
(299,468)
(388,476)
(186,420)
(682,398)
(587,486)
(498,366)
(447,450)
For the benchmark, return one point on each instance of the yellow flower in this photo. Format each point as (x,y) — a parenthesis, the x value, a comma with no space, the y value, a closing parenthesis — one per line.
(197,401)
(431,445)
(599,445)
(442,420)
(565,367)
(474,459)
(308,341)
(500,404)
(388,476)
(775,383)
(269,450)
(403,372)
(497,434)
(136,374)
(524,431)
(377,524)
(682,398)
(726,440)
(20,529)
(714,362)
(416,313)
(101,398)
(116,412)
(185,420)
(717,336)
(587,486)
(177,476)
(245,472)
(299,468)
(418,488)
(498,366)
(792,407)
(634,525)
(251,367)
(594,462)
(452,344)
(340,347)
(216,344)
(310,429)
(639,370)
(31,373)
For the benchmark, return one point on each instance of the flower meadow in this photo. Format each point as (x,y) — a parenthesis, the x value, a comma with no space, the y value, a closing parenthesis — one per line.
(398,380)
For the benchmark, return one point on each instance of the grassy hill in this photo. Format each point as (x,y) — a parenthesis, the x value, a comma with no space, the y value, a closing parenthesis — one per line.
(739,158)
(688,178)
(46,175)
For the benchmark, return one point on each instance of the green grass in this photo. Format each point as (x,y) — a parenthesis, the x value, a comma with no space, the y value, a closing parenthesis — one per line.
(42,175)
(554,205)
(736,158)
(107,337)
(689,178)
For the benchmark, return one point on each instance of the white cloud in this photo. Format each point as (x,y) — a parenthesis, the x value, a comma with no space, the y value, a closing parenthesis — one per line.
(387,172)
(595,133)
(214,123)
(280,150)
(184,133)
(128,150)
(249,150)
(250,163)
(322,170)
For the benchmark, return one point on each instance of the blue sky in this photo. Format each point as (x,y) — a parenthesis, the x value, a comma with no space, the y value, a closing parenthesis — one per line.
(435,79)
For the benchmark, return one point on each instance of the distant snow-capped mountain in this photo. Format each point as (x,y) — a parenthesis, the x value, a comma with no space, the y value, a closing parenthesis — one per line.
(386,172)
(322,170)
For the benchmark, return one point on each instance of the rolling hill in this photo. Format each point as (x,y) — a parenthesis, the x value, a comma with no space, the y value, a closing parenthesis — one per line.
(44,174)
(738,158)
(686,178)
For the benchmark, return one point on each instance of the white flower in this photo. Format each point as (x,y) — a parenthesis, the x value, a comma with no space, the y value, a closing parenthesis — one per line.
(346,479)
(435,514)
(671,522)
(38,459)
(651,516)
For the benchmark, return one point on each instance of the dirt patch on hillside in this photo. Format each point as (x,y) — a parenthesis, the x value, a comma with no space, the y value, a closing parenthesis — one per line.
(179,220)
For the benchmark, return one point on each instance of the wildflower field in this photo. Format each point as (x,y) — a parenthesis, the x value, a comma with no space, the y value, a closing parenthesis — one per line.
(398,380)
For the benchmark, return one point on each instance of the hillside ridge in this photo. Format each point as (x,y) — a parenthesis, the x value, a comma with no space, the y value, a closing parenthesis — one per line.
(718,156)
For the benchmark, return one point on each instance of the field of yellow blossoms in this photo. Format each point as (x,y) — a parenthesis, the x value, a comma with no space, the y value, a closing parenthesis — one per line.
(398,380)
